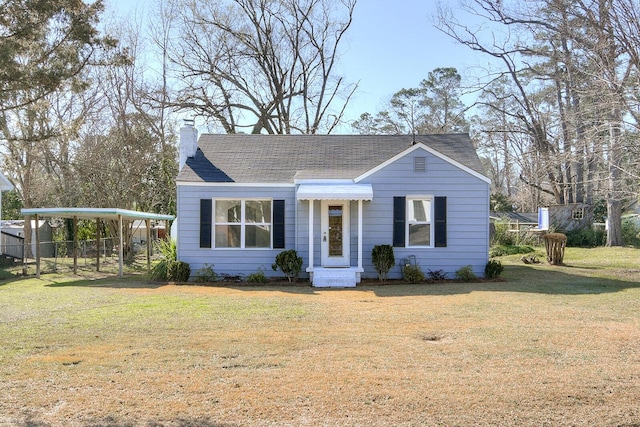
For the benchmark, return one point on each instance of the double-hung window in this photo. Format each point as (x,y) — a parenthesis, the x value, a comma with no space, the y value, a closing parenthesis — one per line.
(240,223)
(419,220)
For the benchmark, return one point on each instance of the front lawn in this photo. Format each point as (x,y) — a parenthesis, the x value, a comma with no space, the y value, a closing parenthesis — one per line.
(546,345)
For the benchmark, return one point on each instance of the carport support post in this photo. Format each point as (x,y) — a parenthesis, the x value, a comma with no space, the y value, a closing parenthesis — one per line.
(359,234)
(75,245)
(37,247)
(148,222)
(120,248)
(311,235)
(98,224)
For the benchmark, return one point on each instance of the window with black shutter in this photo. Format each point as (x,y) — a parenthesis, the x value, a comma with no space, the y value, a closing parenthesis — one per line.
(278,224)
(440,222)
(206,220)
(399,210)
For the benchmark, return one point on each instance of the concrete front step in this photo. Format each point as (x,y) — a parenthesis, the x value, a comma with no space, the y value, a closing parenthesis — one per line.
(335,277)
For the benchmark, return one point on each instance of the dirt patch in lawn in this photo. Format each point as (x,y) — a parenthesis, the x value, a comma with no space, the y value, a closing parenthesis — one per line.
(122,353)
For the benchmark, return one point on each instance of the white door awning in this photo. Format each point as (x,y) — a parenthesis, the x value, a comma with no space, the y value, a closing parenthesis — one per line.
(335,192)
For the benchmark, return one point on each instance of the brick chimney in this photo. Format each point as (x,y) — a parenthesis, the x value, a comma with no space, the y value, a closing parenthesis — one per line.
(188,141)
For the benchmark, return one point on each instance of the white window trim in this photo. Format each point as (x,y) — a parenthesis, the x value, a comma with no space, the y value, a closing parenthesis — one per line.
(242,223)
(408,200)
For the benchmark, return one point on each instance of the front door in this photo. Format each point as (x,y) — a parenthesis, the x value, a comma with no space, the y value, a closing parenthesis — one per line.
(335,241)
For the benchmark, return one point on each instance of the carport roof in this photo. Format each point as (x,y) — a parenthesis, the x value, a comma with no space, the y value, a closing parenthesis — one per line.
(93,213)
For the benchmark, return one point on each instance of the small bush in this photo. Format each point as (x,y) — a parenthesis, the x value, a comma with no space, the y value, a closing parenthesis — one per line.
(289,263)
(631,232)
(502,235)
(502,250)
(493,269)
(205,274)
(437,275)
(412,274)
(383,260)
(465,274)
(586,238)
(178,271)
(257,277)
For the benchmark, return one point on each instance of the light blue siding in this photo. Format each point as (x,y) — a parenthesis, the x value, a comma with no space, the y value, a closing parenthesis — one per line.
(467,221)
(467,214)
(233,262)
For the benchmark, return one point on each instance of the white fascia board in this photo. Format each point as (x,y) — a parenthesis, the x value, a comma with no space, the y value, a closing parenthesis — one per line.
(234,184)
(418,146)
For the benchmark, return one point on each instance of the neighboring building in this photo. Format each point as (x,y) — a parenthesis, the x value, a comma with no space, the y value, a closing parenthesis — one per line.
(571,216)
(5,185)
(242,199)
(13,236)
(139,231)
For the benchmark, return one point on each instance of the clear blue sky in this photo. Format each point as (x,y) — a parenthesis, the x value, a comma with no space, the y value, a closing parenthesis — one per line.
(392,44)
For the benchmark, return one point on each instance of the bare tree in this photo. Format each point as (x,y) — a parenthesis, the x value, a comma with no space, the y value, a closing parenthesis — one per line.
(261,65)
(572,76)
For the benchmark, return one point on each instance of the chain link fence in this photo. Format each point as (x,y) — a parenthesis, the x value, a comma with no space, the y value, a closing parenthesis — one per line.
(57,256)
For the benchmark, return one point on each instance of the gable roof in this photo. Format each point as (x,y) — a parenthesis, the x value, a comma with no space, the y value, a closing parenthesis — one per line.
(283,158)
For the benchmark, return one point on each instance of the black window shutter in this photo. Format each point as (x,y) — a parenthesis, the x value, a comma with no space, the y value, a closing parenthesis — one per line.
(278,224)
(399,213)
(206,207)
(440,220)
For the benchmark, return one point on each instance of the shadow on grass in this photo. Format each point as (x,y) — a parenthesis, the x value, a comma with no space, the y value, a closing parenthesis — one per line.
(558,280)
(127,282)
(527,279)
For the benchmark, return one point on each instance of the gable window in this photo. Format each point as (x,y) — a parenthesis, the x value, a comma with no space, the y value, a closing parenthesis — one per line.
(419,221)
(577,213)
(242,223)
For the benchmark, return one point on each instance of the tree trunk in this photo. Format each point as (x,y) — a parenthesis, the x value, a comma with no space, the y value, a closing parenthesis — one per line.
(614,223)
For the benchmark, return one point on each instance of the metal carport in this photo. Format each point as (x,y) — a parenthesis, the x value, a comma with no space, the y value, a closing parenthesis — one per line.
(98,214)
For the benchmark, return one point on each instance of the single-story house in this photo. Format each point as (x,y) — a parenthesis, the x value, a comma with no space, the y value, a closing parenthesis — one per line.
(242,199)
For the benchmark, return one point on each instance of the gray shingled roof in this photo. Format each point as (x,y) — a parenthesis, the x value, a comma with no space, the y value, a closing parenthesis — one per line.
(280,158)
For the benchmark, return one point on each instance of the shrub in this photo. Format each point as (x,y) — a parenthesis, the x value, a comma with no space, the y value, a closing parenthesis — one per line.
(465,274)
(289,263)
(631,232)
(501,250)
(412,273)
(502,235)
(586,238)
(257,277)
(178,271)
(169,253)
(493,269)
(383,260)
(205,274)
(437,275)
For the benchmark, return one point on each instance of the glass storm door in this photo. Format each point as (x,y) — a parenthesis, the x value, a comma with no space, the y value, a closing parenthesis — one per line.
(335,233)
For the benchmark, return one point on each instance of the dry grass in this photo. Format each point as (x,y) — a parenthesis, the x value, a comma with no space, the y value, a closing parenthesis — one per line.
(547,346)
